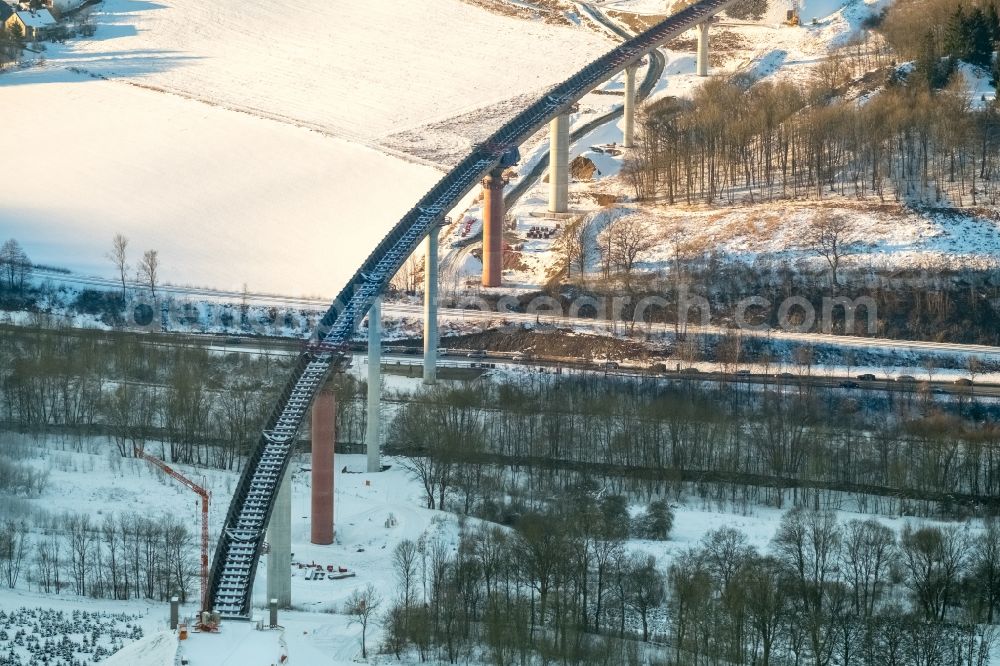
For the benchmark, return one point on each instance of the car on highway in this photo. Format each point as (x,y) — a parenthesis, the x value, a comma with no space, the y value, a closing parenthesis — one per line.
(867,377)
(521,357)
(849,384)
(658,367)
(690,371)
(937,390)
(963,381)
(479,353)
(610,365)
(784,375)
(906,379)
(743,373)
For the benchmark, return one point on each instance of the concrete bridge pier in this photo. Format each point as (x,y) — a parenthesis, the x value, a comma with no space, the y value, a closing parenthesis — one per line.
(324,423)
(431,306)
(703,48)
(279,539)
(493,214)
(373,434)
(559,164)
(629,121)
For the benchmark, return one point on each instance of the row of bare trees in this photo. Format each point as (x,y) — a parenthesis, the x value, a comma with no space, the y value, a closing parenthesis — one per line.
(128,556)
(907,143)
(147,268)
(509,438)
(203,408)
(121,557)
(836,593)
(562,585)
(912,135)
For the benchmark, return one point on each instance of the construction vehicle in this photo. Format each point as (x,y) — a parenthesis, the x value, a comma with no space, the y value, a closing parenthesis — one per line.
(207,621)
(792,17)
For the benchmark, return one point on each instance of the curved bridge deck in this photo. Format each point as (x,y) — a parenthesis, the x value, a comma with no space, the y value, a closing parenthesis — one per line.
(239,546)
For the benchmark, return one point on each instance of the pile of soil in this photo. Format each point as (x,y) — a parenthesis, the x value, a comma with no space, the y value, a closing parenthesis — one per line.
(582,168)
(554,343)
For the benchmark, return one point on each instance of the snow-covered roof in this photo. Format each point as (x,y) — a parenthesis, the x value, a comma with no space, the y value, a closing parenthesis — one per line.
(41,18)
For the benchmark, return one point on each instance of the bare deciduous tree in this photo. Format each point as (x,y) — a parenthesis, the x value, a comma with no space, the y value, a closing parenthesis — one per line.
(828,236)
(577,242)
(362,606)
(149,270)
(404,561)
(119,257)
(869,553)
(15,267)
(934,559)
(13,549)
(624,241)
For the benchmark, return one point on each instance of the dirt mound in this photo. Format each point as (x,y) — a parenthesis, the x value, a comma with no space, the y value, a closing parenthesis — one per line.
(604,200)
(554,343)
(582,168)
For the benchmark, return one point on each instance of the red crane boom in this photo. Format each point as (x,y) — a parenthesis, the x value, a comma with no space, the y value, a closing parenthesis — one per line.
(205,497)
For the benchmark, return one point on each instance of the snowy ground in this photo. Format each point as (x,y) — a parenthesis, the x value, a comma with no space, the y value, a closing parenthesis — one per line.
(878,238)
(186,127)
(226,198)
(360,70)
(91,478)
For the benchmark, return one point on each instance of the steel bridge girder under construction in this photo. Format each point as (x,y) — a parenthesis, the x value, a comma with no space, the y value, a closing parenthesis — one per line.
(238,549)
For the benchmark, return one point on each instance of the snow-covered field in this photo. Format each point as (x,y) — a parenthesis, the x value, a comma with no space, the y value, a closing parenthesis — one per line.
(91,478)
(361,70)
(876,237)
(186,126)
(226,198)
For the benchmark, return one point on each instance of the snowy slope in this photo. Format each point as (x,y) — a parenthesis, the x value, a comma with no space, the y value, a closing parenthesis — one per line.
(225,197)
(878,237)
(359,70)
(159,649)
(230,198)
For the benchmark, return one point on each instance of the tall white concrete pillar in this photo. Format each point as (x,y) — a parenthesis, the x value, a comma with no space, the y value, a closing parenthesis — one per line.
(703,49)
(629,124)
(431,307)
(279,538)
(373,434)
(559,164)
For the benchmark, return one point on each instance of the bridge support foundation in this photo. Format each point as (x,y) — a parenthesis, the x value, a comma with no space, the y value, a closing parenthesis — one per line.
(324,421)
(628,134)
(703,49)
(279,539)
(431,307)
(559,164)
(493,214)
(373,434)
